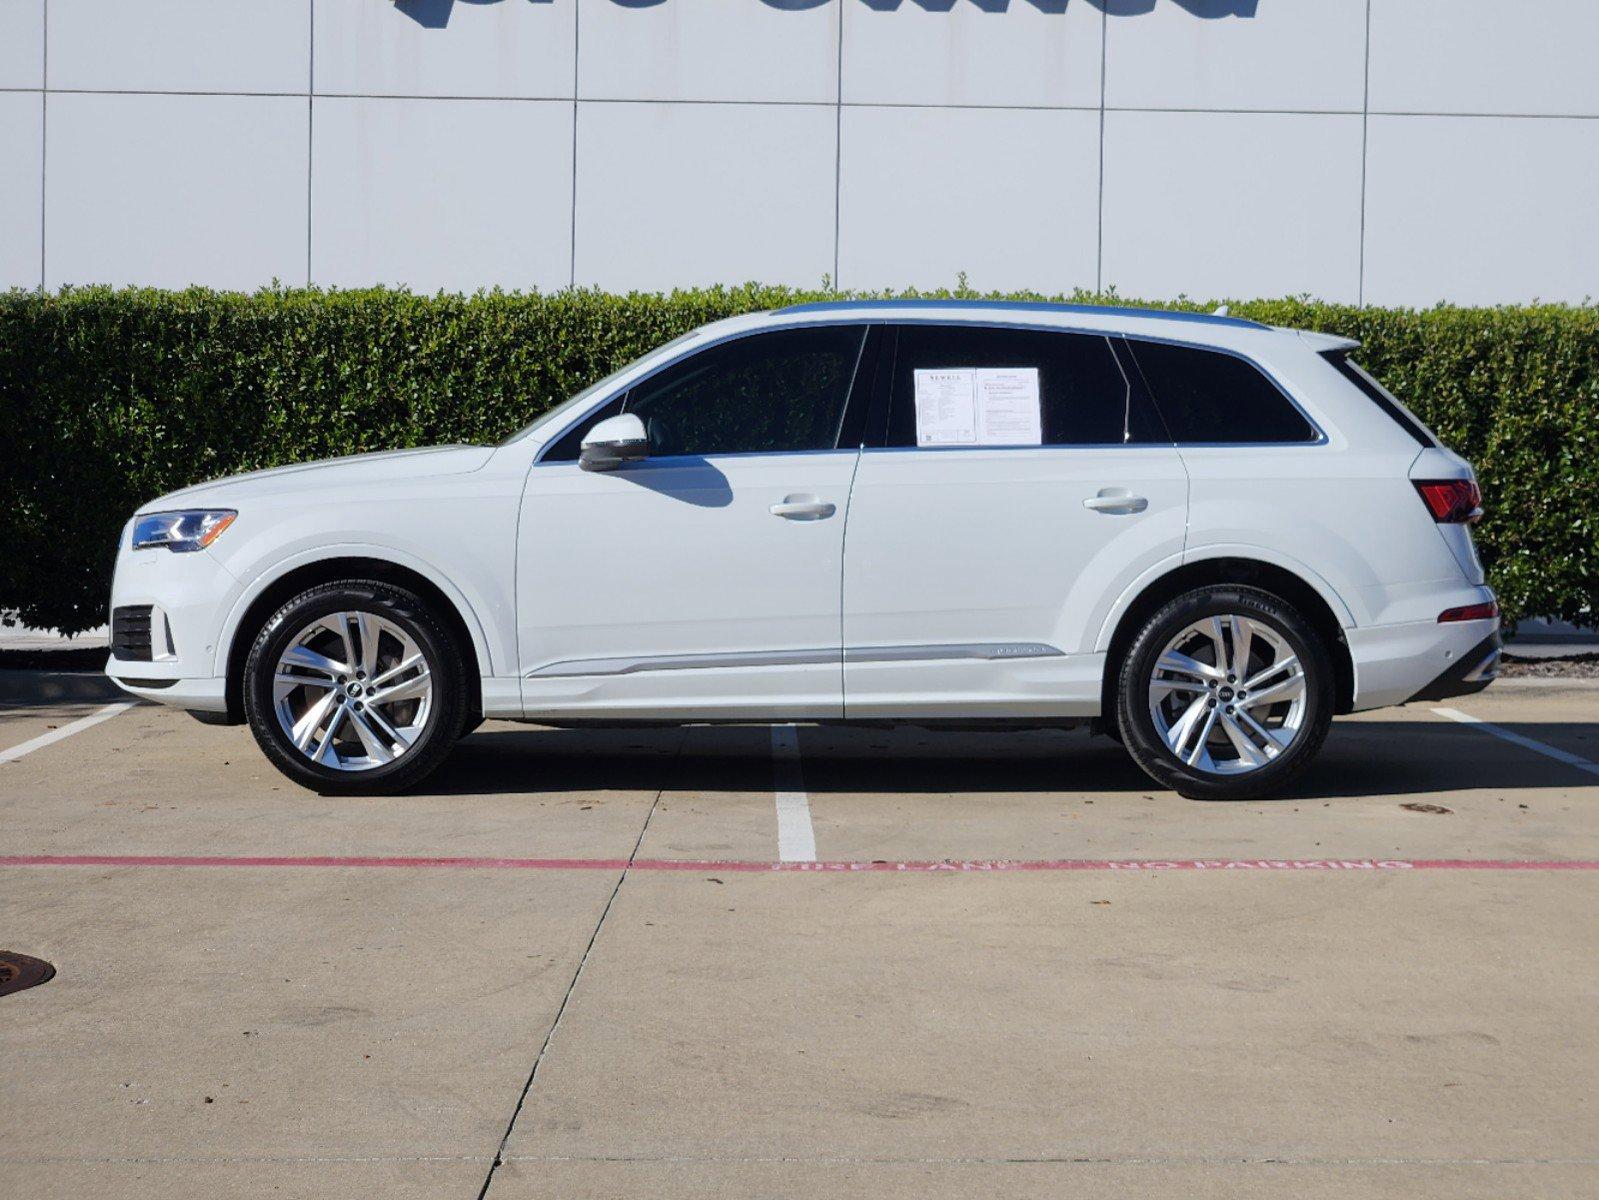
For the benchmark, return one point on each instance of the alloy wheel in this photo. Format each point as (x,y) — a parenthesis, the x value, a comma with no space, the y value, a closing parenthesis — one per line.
(1228,695)
(352,691)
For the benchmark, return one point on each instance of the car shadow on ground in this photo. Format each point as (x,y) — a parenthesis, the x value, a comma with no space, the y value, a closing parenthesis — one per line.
(1363,758)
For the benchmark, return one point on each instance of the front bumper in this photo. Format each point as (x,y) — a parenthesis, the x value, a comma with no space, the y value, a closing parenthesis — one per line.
(188,596)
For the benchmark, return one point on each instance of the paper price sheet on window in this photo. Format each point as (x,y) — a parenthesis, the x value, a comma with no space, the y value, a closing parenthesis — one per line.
(978,406)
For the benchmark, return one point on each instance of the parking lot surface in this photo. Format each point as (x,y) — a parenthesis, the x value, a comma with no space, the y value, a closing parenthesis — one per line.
(603,964)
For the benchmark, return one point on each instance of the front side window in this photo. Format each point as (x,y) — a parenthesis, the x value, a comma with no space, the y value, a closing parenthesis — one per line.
(769,393)
(1207,396)
(977,385)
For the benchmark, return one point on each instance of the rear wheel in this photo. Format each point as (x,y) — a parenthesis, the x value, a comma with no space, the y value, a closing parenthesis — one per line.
(354,688)
(1225,694)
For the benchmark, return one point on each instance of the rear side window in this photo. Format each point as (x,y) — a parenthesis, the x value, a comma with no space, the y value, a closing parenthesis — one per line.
(1380,396)
(1069,387)
(1210,397)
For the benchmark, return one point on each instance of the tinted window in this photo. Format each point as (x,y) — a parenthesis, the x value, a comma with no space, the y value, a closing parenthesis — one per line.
(1380,396)
(1207,396)
(768,393)
(1084,398)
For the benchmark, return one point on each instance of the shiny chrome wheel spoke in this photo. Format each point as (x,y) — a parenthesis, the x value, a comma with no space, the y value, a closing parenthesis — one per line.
(377,747)
(1288,665)
(1289,689)
(1247,750)
(353,691)
(1178,663)
(1273,742)
(394,672)
(406,689)
(303,730)
(367,634)
(1227,694)
(1243,643)
(1177,736)
(399,738)
(306,659)
(326,742)
(1198,752)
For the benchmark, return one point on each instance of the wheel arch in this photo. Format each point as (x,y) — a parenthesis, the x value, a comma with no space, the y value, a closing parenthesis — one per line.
(1223,570)
(296,579)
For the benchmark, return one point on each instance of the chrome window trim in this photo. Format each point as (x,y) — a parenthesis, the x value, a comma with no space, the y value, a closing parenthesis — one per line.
(690,352)
(1321,438)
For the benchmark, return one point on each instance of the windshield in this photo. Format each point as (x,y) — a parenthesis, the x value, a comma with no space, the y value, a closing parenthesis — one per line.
(593,390)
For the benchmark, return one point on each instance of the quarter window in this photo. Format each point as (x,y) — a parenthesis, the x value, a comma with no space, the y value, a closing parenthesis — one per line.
(1083,397)
(1209,397)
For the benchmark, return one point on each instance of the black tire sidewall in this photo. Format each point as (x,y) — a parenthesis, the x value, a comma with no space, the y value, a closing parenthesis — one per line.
(410,613)
(1149,749)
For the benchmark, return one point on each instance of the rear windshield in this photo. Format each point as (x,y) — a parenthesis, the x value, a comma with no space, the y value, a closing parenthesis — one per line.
(1380,396)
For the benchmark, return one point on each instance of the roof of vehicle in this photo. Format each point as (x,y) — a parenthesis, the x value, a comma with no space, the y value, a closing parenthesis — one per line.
(1021,306)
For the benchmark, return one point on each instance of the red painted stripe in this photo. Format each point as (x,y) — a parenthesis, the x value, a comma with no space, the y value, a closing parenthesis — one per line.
(749,866)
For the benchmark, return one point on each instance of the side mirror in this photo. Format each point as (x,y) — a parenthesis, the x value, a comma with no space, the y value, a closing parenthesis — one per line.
(614,441)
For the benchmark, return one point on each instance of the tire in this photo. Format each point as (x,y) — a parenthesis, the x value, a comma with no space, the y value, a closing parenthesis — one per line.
(1231,750)
(373,746)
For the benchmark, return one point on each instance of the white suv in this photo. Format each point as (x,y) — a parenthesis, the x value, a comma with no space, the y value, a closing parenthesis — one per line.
(1202,535)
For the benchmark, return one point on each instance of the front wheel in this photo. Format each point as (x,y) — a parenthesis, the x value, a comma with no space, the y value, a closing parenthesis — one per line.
(1225,694)
(355,688)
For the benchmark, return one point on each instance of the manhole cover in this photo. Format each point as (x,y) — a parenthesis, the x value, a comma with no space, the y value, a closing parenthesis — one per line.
(1427,808)
(18,971)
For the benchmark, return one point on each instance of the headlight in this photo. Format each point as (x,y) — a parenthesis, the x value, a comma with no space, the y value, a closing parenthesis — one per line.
(191,529)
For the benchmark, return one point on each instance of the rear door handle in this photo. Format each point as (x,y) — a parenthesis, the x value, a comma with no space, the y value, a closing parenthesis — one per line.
(1116,500)
(803,508)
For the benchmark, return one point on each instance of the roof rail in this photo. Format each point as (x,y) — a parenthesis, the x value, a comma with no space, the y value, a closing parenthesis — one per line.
(1029,306)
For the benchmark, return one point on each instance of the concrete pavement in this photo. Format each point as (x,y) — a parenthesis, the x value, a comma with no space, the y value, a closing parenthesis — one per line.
(317,1028)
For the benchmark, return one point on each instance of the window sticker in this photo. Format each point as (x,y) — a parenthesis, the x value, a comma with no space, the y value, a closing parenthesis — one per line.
(983,406)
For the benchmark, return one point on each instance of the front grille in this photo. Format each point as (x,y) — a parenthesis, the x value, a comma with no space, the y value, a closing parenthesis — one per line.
(130,633)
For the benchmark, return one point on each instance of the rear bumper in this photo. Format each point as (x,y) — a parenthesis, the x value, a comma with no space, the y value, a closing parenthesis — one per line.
(1414,660)
(1475,670)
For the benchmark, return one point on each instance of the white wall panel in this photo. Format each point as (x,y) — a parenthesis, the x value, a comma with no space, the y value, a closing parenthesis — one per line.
(21,43)
(446,47)
(22,152)
(1028,53)
(1200,54)
(674,195)
(1232,204)
(1010,196)
(452,194)
(180,45)
(708,50)
(1479,210)
(1485,56)
(176,190)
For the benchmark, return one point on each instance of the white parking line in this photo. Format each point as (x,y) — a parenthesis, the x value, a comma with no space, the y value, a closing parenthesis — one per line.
(1554,752)
(796,840)
(65,731)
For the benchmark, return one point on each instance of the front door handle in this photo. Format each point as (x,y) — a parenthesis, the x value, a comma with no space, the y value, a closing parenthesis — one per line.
(803,508)
(1116,500)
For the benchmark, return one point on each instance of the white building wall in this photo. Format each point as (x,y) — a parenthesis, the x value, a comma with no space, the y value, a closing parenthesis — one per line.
(1391,151)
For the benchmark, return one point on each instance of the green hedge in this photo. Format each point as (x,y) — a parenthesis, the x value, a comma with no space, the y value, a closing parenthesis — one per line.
(109,398)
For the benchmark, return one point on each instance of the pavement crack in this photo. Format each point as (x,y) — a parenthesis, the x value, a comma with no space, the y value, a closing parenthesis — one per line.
(582,963)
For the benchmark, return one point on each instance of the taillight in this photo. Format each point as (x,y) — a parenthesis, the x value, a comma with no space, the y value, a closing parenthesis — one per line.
(1451,501)
(1472,612)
